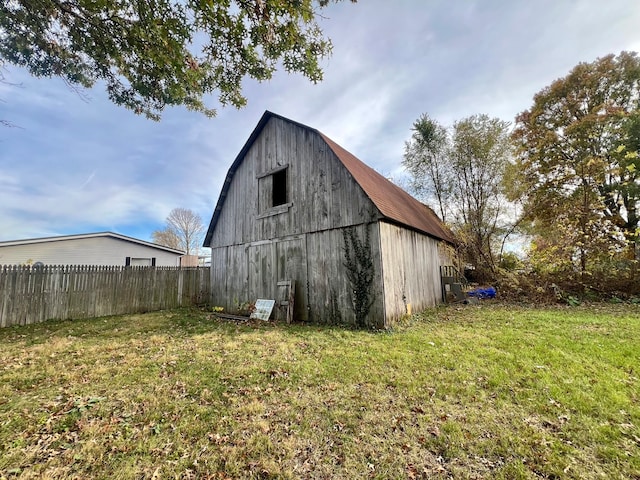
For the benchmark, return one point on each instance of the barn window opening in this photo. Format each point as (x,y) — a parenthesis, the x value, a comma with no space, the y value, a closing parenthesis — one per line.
(274,192)
(279,188)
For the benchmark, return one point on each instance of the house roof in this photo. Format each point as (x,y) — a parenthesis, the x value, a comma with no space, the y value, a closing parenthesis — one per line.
(118,236)
(394,203)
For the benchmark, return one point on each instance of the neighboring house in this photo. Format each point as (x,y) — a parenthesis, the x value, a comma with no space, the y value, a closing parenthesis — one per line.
(105,248)
(287,202)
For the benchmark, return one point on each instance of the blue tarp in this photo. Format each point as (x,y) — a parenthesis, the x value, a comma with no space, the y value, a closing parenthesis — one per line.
(488,292)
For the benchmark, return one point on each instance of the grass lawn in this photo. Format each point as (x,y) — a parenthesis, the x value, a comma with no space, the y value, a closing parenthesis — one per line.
(485,391)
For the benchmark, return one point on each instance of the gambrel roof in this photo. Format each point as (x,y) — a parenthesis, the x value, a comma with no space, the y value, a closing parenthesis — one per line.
(393,203)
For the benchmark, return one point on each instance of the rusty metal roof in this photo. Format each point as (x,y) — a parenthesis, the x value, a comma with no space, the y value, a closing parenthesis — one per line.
(394,203)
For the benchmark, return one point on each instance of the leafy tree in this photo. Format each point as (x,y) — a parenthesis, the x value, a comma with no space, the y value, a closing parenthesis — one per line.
(154,53)
(481,150)
(463,170)
(183,231)
(426,158)
(577,166)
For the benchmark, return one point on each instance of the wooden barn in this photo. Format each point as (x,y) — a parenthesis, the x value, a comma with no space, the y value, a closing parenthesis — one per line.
(296,206)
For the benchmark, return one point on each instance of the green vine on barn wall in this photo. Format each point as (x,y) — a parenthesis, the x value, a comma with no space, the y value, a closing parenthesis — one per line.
(360,272)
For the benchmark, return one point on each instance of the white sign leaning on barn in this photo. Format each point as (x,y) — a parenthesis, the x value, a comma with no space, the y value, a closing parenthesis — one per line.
(263,309)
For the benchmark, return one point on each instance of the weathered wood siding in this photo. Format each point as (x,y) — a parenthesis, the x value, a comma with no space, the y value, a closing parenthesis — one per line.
(84,251)
(229,277)
(330,293)
(411,270)
(254,246)
(31,295)
(322,194)
(242,273)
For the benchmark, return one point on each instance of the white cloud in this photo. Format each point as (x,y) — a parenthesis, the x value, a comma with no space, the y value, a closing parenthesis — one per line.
(77,165)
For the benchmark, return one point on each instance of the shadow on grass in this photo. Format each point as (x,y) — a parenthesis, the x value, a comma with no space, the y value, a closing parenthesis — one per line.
(178,323)
(194,321)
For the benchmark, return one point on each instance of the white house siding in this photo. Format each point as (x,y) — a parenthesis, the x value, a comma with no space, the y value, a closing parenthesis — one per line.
(410,270)
(84,251)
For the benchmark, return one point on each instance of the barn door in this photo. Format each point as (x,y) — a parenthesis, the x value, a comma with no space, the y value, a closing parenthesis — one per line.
(277,261)
(262,275)
(292,265)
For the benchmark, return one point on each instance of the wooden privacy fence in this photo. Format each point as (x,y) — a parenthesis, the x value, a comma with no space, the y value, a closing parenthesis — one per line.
(34,294)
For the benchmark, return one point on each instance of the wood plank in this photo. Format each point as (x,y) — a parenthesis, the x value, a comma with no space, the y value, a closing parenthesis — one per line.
(29,295)
(411,266)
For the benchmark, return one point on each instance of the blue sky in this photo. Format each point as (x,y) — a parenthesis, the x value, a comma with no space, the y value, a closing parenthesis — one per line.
(78,164)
